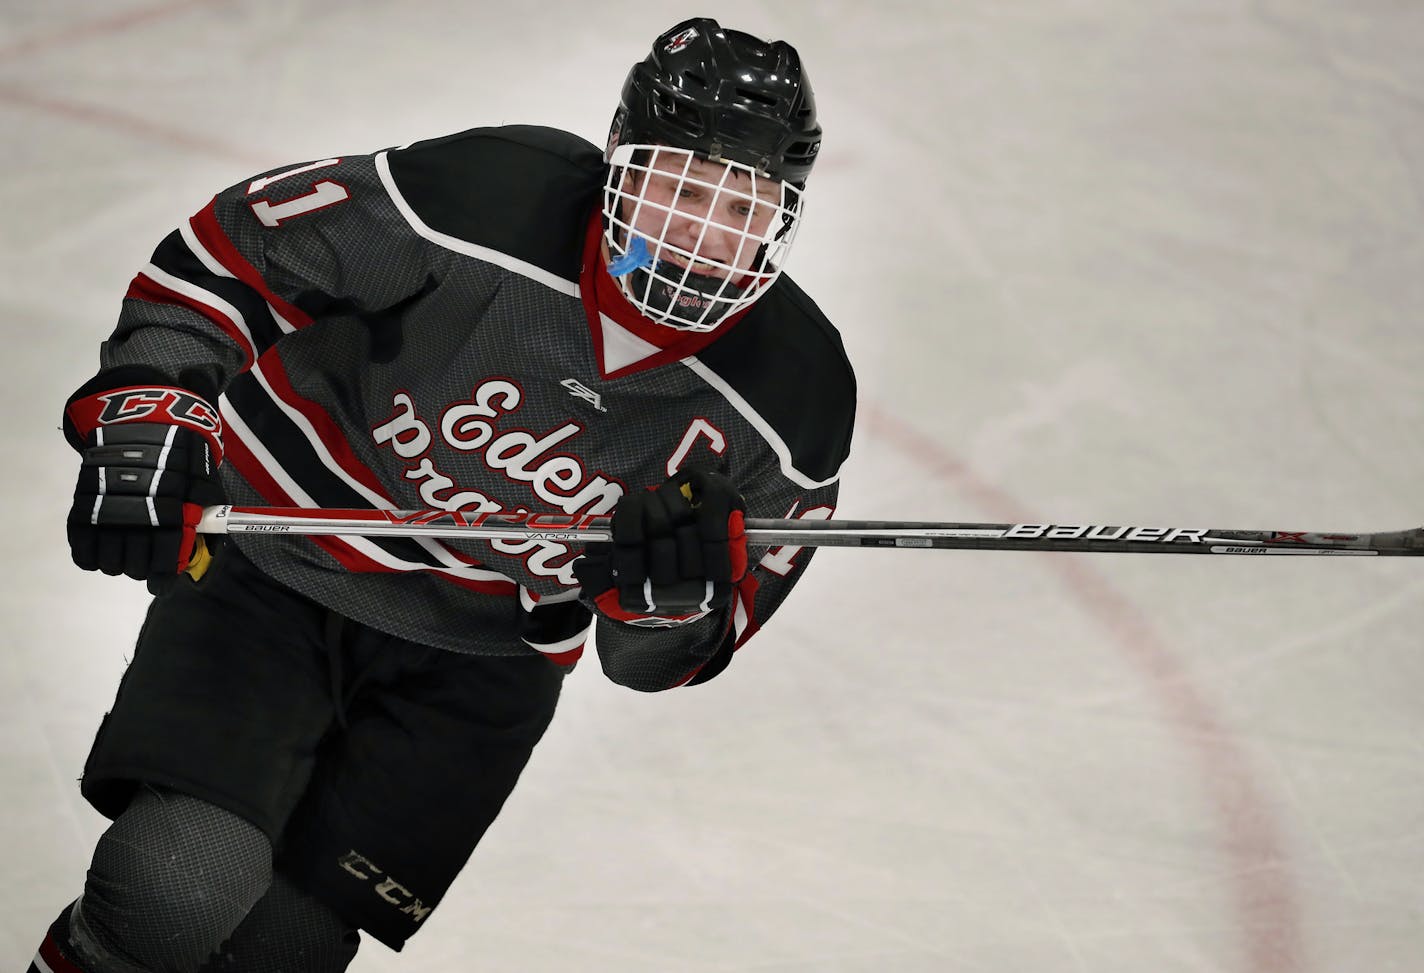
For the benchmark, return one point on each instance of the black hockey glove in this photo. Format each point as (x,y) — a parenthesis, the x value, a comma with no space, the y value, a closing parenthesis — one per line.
(678,551)
(150,459)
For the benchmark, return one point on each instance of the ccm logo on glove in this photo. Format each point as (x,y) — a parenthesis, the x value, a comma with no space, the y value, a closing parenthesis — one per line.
(148,404)
(150,459)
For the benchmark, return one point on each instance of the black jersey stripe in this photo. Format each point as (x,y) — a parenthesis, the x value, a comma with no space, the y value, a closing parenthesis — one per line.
(298,459)
(174,256)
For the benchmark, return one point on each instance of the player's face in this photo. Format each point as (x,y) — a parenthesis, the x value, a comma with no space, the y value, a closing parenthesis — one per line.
(702,208)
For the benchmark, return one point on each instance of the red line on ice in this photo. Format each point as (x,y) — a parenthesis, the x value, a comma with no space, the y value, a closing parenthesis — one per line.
(96,28)
(1267,910)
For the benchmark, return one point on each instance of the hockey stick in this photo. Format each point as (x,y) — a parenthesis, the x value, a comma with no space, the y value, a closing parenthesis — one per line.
(581,529)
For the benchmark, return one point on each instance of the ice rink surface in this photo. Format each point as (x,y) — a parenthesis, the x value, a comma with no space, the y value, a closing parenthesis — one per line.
(1097,261)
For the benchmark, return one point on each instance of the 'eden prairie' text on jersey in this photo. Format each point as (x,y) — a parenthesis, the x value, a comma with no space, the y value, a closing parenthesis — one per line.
(432,327)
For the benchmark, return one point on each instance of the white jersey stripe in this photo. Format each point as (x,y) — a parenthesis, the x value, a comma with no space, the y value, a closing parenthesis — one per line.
(777,444)
(185,229)
(208,299)
(314,440)
(441,553)
(557,648)
(216,268)
(361,545)
(283,324)
(529,600)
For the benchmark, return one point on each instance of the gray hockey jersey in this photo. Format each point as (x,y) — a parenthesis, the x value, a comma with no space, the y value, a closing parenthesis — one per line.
(431,327)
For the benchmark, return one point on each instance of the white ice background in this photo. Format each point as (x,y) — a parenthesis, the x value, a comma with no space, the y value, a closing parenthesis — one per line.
(1153,262)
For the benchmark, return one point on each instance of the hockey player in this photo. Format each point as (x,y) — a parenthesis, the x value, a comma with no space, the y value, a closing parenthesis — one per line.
(314,733)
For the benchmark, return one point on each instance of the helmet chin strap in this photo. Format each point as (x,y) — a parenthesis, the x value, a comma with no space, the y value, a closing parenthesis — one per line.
(686,303)
(636,270)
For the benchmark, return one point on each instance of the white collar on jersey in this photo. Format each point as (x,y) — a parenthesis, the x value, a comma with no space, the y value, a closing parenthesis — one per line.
(622,347)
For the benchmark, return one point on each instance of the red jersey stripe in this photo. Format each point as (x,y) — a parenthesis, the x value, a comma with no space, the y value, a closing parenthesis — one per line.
(145,288)
(345,553)
(327,429)
(212,236)
(252,470)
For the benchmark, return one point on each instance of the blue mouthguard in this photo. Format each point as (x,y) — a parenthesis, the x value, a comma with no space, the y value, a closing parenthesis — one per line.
(637,256)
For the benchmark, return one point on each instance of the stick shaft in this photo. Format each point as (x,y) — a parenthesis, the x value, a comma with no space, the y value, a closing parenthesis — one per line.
(579,529)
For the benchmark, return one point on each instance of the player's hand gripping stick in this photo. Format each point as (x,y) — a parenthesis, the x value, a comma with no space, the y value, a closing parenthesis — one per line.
(675,555)
(150,458)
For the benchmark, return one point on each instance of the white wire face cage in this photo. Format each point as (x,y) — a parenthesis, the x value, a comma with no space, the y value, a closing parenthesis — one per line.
(691,241)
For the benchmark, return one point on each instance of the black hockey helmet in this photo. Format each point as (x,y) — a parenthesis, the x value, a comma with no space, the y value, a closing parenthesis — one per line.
(723,94)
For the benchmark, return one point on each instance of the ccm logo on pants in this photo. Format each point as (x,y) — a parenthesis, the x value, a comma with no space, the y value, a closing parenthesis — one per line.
(387,888)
